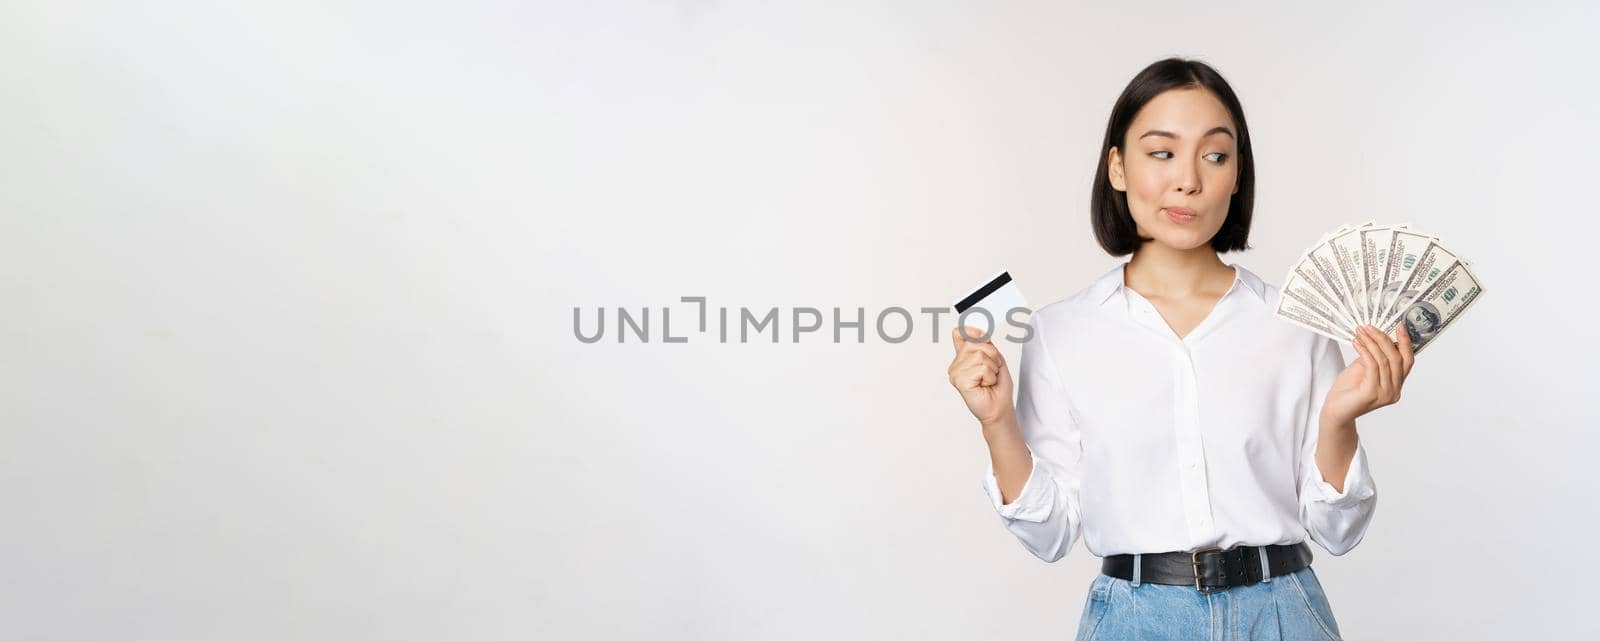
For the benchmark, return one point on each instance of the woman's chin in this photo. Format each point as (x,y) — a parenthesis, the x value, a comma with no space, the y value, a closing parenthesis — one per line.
(1182,241)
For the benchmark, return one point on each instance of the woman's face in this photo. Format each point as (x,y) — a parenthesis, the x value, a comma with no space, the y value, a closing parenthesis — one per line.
(1179,154)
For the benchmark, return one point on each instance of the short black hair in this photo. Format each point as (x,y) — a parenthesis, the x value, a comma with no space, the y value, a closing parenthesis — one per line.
(1108,208)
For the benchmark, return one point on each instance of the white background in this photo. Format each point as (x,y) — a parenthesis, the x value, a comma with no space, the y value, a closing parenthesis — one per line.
(286,348)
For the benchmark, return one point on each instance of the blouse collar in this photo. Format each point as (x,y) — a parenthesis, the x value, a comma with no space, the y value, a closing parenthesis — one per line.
(1112,282)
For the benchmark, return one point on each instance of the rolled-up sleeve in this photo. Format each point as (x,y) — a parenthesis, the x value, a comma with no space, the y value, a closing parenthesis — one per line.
(1045,516)
(1335,520)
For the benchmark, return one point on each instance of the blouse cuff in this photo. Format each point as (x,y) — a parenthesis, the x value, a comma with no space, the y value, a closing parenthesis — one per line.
(1032,504)
(1358,485)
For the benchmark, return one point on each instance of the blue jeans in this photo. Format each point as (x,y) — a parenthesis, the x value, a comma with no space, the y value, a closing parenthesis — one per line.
(1291,607)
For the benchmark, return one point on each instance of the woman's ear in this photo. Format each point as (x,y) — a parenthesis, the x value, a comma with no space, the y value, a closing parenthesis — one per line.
(1114,170)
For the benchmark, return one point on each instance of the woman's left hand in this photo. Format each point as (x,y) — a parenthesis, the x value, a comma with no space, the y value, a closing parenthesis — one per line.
(1374,380)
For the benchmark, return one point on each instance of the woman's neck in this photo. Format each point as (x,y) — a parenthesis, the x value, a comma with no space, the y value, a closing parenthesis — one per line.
(1159,271)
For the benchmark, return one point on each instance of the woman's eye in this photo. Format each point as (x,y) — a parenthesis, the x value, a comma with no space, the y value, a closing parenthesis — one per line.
(1220,157)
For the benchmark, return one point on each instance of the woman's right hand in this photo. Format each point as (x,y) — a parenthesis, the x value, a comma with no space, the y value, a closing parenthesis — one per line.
(979,372)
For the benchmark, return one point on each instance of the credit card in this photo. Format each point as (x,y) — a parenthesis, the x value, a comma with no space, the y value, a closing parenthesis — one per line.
(997,297)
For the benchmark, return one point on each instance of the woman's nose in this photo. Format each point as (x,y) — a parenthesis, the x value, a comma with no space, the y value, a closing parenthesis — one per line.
(1188,179)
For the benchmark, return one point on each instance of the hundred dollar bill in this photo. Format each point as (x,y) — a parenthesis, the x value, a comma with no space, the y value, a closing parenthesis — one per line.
(1347,257)
(1374,252)
(1331,278)
(1293,311)
(1324,285)
(1299,286)
(1405,249)
(1390,276)
(1429,314)
(1434,261)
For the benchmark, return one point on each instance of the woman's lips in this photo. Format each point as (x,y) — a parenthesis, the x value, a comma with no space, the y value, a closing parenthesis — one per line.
(1180,215)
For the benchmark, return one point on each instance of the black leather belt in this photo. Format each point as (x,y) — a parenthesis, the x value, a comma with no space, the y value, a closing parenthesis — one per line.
(1210,570)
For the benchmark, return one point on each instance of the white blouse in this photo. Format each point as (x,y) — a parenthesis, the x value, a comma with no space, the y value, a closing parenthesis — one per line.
(1143,442)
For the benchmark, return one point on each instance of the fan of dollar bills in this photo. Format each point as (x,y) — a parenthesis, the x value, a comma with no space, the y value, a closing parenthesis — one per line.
(1387,276)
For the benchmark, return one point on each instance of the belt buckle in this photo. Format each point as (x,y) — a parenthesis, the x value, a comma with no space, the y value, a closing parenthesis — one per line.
(1194,562)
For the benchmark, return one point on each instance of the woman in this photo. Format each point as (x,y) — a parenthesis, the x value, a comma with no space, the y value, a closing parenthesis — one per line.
(1164,415)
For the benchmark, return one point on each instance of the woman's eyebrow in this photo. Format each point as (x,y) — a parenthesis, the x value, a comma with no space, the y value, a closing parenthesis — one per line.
(1168,134)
